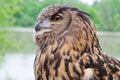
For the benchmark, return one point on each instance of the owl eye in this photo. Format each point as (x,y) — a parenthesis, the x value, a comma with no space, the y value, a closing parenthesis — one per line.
(56,18)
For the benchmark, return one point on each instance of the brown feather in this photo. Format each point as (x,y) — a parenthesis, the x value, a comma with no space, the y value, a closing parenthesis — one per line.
(72,50)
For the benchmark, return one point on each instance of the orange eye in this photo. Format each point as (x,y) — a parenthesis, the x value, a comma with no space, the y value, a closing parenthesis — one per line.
(56,18)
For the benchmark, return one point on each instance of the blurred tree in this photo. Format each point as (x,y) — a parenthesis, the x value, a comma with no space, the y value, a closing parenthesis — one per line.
(108,12)
(24,12)
(8,8)
(7,42)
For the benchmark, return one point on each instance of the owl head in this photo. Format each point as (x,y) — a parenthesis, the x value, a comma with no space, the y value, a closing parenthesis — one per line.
(60,19)
(63,22)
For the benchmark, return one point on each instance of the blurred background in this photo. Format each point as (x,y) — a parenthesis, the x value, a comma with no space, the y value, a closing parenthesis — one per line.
(17,19)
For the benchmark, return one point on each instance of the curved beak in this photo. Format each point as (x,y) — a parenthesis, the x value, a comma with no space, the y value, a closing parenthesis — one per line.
(37,26)
(41,25)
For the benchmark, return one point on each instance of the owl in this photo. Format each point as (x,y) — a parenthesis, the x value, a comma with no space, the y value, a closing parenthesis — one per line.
(67,47)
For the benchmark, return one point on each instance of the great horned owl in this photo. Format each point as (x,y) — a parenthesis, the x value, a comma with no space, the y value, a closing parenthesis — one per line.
(68,48)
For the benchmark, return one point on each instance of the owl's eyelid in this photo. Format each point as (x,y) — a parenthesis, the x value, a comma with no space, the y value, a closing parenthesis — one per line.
(60,14)
(57,14)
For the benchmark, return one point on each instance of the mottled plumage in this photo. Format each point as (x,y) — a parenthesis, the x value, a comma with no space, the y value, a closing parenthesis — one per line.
(67,47)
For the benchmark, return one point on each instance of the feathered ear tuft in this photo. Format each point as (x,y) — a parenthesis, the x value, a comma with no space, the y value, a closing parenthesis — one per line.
(79,12)
(83,13)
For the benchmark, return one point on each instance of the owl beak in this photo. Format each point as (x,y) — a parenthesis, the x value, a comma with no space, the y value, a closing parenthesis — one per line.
(37,26)
(40,26)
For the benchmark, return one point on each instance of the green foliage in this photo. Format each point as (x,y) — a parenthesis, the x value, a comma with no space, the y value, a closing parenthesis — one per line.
(108,12)
(7,42)
(105,13)
(8,8)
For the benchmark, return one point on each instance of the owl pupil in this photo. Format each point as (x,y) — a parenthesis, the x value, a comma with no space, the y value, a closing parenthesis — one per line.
(57,17)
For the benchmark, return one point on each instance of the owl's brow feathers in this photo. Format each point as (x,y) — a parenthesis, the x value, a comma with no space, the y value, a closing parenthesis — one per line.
(79,12)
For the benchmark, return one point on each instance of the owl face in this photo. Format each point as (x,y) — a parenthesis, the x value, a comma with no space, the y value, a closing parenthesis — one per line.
(53,19)
(57,19)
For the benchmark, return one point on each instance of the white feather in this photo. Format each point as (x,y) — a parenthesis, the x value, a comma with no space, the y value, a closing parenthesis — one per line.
(88,74)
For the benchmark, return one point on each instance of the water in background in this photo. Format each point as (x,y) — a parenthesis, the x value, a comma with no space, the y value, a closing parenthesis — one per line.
(17,67)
